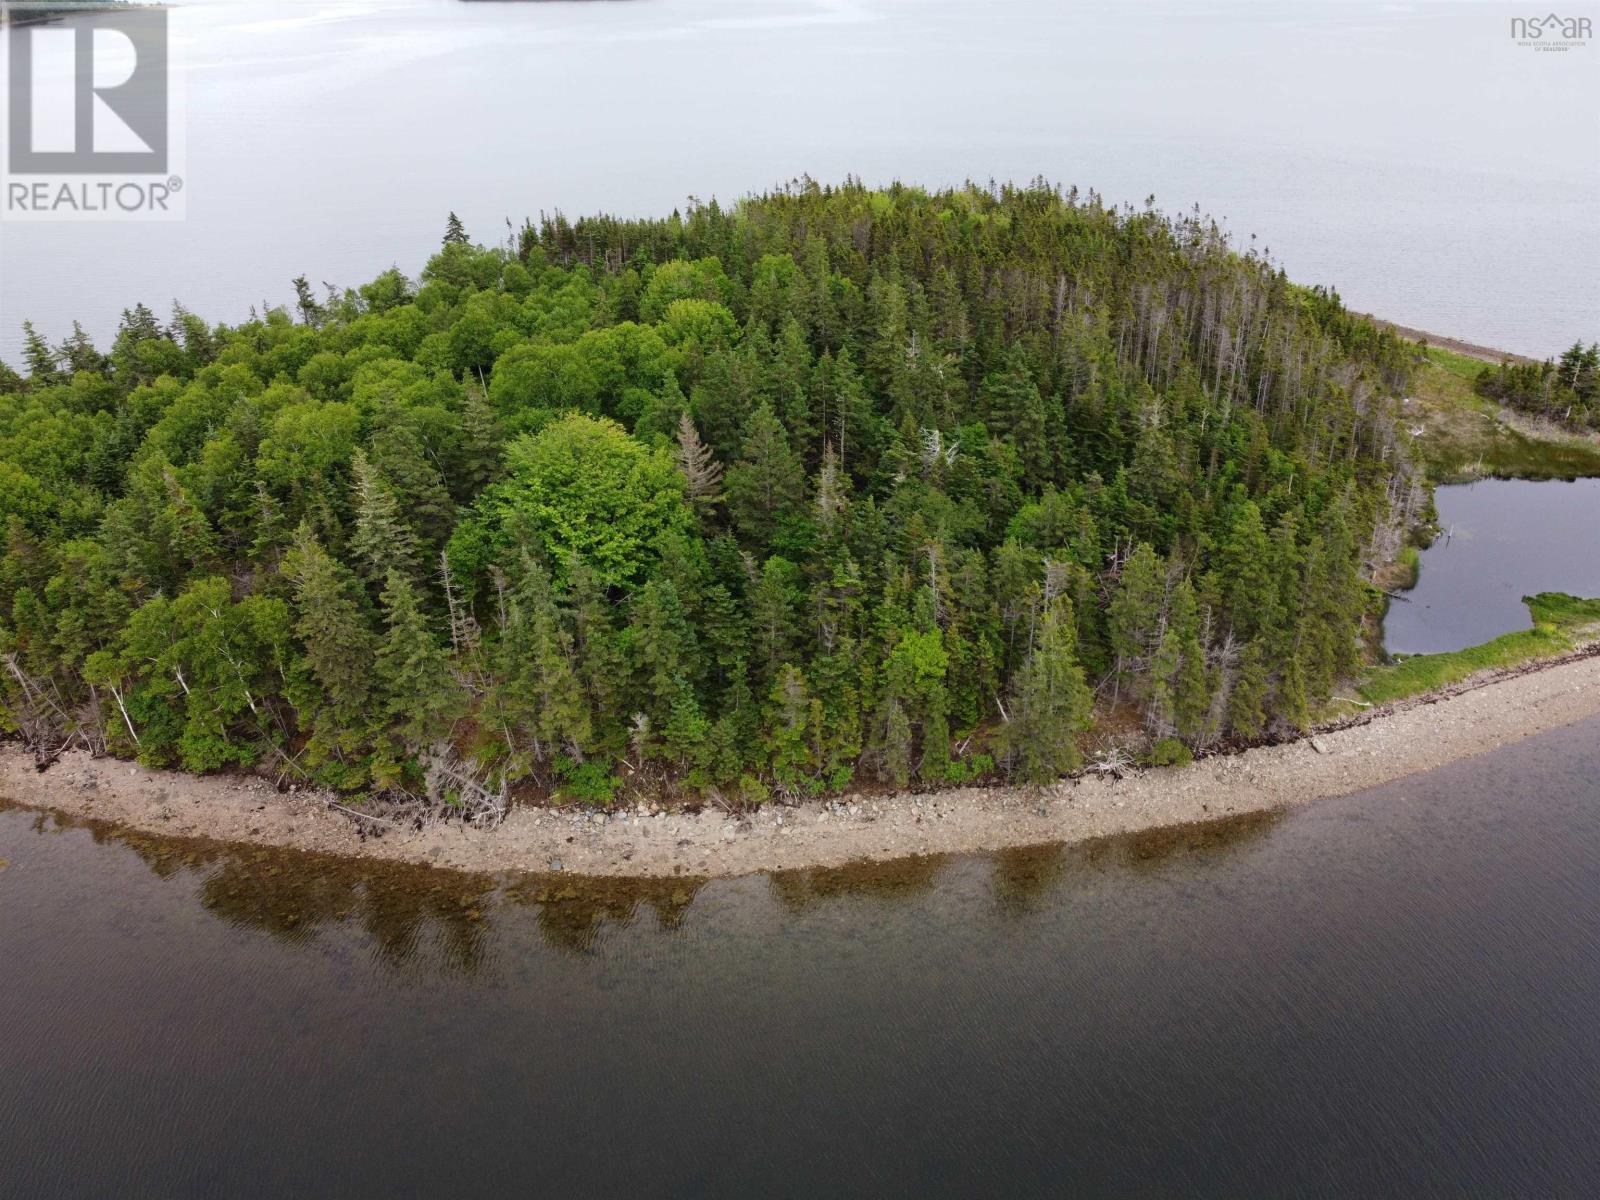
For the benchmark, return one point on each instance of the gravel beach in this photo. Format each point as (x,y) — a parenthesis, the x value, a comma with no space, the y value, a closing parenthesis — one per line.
(1409,737)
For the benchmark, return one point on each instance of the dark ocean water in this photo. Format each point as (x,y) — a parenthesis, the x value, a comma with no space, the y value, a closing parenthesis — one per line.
(1396,993)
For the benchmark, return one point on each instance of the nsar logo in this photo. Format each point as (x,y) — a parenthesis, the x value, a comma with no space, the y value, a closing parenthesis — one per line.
(1551,32)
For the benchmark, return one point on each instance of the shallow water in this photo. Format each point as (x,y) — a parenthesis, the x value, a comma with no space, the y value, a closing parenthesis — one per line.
(1504,539)
(1412,155)
(1392,994)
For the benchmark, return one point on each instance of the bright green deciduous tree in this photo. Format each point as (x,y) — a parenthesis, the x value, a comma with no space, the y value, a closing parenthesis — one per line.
(583,490)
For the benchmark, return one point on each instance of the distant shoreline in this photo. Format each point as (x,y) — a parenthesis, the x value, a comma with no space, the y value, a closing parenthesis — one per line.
(35,13)
(1486,354)
(1409,737)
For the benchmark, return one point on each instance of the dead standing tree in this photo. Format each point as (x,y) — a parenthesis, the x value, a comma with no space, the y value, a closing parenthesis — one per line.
(43,718)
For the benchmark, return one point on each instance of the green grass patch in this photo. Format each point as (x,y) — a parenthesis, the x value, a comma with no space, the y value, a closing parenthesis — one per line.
(1408,567)
(1464,438)
(1570,613)
(1462,366)
(1560,622)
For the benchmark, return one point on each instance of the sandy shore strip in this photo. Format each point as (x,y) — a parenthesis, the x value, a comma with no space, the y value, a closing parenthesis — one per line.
(1412,736)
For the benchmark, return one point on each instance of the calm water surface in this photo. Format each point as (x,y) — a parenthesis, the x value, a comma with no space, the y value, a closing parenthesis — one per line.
(1392,994)
(1413,155)
(1504,539)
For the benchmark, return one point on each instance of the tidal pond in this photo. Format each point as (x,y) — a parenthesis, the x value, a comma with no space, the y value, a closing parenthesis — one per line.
(1502,539)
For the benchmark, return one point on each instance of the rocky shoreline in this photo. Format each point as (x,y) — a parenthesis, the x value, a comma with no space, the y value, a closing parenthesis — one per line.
(1376,748)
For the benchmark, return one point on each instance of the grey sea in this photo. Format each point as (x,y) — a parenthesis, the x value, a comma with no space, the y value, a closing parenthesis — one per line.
(1414,155)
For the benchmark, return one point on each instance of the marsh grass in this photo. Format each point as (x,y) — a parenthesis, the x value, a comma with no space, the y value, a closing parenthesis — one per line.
(1466,436)
(1560,623)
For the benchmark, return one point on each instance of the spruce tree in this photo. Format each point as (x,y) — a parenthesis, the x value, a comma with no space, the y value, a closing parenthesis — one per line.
(789,725)
(1134,618)
(382,541)
(38,357)
(421,697)
(77,353)
(1182,683)
(1050,701)
(601,664)
(338,646)
(774,597)
(537,697)
(896,760)
(477,453)
(424,503)
(768,485)
(305,302)
(663,648)
(702,472)
(1247,700)
(1249,590)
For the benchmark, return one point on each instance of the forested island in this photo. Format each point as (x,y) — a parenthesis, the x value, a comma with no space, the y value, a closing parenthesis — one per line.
(833,488)
(38,12)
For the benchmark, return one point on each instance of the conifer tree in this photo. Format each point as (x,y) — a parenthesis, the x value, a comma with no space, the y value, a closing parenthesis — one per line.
(1245,564)
(933,766)
(421,698)
(537,697)
(891,333)
(1292,703)
(1192,691)
(789,386)
(77,353)
(1134,618)
(845,414)
(305,302)
(338,646)
(37,356)
(768,484)
(701,470)
(1050,701)
(382,540)
(774,596)
(663,649)
(896,764)
(477,455)
(1247,701)
(1180,691)
(424,503)
(788,742)
(601,665)
(1011,403)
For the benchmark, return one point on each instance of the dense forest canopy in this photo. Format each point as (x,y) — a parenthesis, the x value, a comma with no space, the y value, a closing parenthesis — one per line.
(836,485)
(1565,391)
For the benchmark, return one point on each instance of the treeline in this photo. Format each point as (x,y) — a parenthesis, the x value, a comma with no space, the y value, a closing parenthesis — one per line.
(835,485)
(1566,392)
